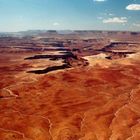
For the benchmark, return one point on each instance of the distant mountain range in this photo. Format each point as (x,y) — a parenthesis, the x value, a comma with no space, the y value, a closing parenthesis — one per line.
(33,33)
(60,32)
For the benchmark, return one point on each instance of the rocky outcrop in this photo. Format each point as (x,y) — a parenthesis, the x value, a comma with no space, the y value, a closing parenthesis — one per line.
(75,62)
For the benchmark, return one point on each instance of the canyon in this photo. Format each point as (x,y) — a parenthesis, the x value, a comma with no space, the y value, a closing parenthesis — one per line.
(79,86)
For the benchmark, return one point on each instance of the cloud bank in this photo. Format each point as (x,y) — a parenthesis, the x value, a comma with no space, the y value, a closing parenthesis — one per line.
(115,20)
(56,24)
(134,7)
(136,24)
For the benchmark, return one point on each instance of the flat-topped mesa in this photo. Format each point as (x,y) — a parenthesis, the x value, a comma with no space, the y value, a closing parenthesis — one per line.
(70,59)
(116,56)
(119,54)
(76,61)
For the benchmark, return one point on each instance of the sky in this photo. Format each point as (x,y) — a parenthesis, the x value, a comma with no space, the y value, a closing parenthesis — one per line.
(20,15)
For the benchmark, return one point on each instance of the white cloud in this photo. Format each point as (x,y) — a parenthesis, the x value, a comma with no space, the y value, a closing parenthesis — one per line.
(56,24)
(107,14)
(100,18)
(110,14)
(135,7)
(115,20)
(136,24)
(99,0)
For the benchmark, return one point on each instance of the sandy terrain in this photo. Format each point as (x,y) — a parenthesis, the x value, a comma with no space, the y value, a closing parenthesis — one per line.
(84,103)
(100,101)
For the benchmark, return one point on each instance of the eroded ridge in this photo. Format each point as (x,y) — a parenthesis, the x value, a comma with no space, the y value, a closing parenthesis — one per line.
(99,101)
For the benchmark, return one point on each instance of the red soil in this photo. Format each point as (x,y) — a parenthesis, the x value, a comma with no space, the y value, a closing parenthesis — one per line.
(78,104)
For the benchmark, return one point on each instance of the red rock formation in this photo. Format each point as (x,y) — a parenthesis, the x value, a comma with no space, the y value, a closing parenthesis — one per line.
(83,103)
(76,104)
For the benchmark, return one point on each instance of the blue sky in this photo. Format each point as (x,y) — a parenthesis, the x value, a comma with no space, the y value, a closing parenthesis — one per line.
(19,15)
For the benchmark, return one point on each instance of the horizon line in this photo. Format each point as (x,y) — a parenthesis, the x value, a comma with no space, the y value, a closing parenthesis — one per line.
(68,30)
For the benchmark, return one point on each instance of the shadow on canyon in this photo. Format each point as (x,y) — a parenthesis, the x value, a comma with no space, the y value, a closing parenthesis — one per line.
(49,69)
